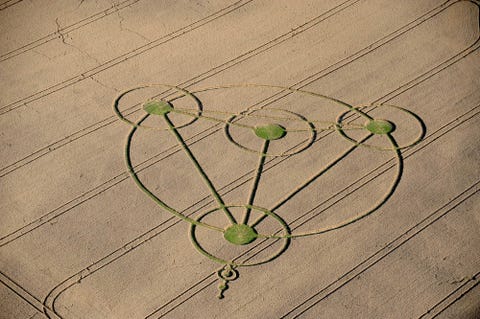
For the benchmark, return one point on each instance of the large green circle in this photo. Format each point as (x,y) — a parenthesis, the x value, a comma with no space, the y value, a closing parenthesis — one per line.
(285,237)
(240,234)
(358,110)
(270,131)
(157,107)
(380,126)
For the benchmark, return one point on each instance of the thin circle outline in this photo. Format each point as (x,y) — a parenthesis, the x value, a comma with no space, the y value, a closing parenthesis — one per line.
(210,256)
(366,213)
(417,140)
(308,143)
(178,89)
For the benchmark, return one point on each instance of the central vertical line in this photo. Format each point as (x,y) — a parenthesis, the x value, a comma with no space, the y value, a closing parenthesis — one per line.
(199,169)
(256,180)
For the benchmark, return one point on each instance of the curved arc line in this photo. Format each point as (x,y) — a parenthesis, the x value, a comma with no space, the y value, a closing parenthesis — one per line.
(152,196)
(200,170)
(291,89)
(305,145)
(432,12)
(352,220)
(246,115)
(310,180)
(177,88)
(286,244)
(418,138)
(474,46)
(186,112)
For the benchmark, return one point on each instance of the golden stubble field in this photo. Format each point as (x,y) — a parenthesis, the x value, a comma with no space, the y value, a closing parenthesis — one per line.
(239,159)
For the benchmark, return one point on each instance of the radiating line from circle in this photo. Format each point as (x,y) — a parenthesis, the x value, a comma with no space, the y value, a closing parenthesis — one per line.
(270,126)
(283,224)
(279,132)
(389,192)
(151,195)
(184,93)
(386,130)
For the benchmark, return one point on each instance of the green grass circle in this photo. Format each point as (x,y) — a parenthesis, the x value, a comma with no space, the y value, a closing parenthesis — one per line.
(270,131)
(240,234)
(157,107)
(380,126)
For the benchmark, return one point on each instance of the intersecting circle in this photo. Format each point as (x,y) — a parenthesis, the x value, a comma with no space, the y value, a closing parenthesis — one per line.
(272,130)
(381,127)
(146,105)
(228,274)
(285,237)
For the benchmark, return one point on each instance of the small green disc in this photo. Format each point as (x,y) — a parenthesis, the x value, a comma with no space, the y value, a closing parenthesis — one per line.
(380,126)
(157,107)
(240,234)
(270,131)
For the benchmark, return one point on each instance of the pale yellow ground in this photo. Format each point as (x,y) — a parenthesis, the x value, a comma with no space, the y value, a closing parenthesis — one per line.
(78,239)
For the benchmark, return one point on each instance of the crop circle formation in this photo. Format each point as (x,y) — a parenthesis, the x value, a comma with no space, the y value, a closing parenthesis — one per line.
(267,126)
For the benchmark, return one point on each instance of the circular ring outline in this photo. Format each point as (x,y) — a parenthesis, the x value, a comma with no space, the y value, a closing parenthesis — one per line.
(418,139)
(284,247)
(232,277)
(308,143)
(395,148)
(366,213)
(178,89)
(245,85)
